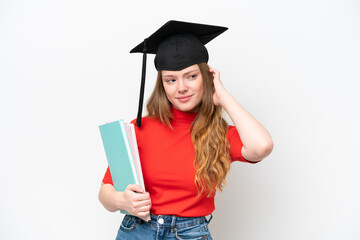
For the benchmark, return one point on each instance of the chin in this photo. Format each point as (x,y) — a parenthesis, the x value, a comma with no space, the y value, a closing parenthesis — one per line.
(187,108)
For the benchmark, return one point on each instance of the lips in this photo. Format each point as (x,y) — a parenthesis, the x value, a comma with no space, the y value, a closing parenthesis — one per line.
(184,98)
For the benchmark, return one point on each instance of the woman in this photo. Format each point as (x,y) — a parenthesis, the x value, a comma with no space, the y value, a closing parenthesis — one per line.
(185,145)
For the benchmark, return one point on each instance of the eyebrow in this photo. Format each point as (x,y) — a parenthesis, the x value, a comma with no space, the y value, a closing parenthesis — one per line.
(188,72)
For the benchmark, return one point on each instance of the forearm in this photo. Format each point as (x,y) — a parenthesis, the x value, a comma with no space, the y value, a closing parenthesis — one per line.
(257,142)
(110,198)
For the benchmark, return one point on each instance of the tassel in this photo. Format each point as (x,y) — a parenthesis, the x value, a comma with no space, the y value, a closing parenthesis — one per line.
(142,87)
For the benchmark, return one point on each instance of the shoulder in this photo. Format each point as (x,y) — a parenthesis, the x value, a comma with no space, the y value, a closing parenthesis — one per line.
(234,139)
(232,132)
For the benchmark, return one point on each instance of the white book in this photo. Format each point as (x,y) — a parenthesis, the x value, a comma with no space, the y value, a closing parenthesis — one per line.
(130,131)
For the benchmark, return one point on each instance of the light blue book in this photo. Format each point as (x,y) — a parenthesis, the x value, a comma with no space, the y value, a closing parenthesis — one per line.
(122,154)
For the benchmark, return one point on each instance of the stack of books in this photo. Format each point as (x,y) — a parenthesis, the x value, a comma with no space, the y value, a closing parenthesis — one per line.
(122,154)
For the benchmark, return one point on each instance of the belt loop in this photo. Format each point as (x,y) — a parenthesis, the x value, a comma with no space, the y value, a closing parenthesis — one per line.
(208,221)
(173,221)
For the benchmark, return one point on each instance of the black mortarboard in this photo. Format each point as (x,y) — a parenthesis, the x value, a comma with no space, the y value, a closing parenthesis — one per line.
(177,45)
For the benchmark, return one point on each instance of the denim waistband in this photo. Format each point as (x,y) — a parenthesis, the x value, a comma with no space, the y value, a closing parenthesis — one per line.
(175,221)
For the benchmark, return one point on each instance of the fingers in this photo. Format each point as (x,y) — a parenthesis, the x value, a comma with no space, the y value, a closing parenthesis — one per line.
(138,197)
(134,188)
(141,208)
(136,193)
(213,70)
(139,201)
(143,205)
(146,218)
(216,73)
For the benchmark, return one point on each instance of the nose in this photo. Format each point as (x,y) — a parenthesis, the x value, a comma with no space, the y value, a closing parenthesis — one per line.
(182,87)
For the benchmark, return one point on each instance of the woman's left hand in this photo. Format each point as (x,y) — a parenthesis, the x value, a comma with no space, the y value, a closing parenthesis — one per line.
(220,91)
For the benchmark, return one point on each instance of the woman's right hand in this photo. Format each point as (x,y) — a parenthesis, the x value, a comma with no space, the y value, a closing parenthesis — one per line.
(137,202)
(134,200)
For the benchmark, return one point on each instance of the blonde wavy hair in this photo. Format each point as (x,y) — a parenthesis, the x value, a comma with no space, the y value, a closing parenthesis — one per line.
(208,134)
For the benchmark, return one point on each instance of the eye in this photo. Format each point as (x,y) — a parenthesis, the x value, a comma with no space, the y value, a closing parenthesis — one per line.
(192,76)
(169,80)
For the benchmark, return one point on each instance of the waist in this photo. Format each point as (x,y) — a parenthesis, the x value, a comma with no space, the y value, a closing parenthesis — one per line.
(175,221)
(169,202)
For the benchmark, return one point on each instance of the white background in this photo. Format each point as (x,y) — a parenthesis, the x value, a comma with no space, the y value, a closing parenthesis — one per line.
(65,68)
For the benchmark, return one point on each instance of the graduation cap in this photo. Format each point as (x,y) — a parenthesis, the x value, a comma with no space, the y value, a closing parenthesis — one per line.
(177,45)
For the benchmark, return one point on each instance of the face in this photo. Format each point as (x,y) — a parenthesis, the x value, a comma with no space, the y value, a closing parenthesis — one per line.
(184,88)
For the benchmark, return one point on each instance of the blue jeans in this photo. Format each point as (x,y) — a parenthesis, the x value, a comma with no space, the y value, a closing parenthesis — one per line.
(162,227)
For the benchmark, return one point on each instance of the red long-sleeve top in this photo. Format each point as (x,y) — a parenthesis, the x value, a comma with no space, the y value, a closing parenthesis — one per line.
(167,160)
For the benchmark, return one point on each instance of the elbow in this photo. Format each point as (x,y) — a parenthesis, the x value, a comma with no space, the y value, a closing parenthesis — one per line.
(105,198)
(101,194)
(101,197)
(264,149)
(268,148)
(261,151)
